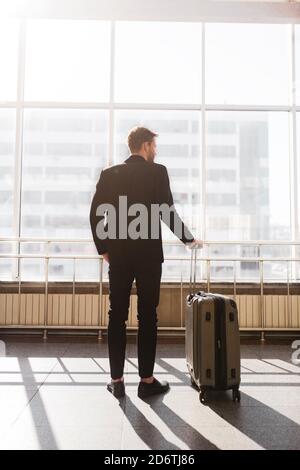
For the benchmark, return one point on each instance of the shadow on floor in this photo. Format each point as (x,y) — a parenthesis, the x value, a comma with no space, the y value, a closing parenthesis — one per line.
(263,424)
(153,437)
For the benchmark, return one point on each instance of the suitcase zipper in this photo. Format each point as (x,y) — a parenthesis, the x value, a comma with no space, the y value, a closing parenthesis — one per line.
(220,345)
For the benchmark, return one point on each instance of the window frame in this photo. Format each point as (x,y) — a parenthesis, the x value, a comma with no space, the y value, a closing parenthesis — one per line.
(20,105)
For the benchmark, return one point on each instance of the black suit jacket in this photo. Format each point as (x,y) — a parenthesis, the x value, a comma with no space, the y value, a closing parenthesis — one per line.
(142,182)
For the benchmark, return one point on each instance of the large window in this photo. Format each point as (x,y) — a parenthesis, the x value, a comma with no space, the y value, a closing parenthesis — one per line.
(247,64)
(9,59)
(246,158)
(7,156)
(218,94)
(298,186)
(63,152)
(297,55)
(158,63)
(67,61)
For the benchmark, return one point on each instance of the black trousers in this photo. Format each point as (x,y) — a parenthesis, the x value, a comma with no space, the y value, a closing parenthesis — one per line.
(147,278)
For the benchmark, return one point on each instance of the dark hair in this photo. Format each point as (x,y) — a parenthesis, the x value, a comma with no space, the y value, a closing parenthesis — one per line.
(137,136)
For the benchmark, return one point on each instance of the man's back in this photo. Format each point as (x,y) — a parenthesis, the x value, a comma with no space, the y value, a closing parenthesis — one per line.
(136,181)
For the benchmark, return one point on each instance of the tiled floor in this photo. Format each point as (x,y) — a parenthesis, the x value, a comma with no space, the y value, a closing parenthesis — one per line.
(53,396)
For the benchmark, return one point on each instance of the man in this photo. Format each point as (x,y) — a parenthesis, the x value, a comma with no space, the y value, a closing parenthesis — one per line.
(143,185)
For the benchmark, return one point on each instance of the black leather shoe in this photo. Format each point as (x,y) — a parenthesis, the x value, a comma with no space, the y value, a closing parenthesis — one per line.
(154,388)
(117,389)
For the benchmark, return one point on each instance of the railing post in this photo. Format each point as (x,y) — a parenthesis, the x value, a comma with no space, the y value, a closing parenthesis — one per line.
(288,319)
(181,297)
(208,274)
(234,279)
(73,294)
(46,297)
(19,289)
(262,310)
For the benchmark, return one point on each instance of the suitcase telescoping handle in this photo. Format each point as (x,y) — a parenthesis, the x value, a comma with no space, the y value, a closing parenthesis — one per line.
(193,272)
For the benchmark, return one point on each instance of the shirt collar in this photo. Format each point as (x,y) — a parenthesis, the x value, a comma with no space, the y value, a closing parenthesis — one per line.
(135,158)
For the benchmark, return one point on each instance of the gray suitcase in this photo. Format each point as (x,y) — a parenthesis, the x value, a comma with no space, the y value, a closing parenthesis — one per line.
(212,341)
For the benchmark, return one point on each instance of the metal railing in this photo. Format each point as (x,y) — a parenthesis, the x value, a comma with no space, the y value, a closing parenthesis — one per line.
(206,259)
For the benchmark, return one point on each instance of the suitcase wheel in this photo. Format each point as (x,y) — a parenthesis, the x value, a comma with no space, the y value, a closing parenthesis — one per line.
(236,395)
(203,396)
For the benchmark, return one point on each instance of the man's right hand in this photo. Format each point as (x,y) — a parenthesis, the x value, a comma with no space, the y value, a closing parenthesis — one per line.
(195,244)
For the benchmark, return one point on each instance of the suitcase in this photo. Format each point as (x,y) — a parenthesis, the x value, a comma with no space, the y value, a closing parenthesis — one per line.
(212,341)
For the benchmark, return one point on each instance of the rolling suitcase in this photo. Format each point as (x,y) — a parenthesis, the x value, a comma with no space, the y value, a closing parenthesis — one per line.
(212,340)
